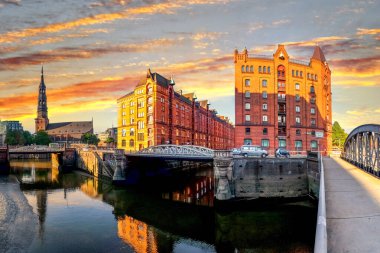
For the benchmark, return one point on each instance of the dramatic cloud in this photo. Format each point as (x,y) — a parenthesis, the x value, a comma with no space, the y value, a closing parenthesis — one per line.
(364,31)
(362,67)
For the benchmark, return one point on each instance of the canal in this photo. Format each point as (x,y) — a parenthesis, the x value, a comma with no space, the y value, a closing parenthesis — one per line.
(44,211)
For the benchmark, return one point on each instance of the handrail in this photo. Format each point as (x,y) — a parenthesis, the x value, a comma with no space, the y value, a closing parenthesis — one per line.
(320,245)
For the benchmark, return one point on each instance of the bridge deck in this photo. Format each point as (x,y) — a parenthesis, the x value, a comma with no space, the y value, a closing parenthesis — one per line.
(352,208)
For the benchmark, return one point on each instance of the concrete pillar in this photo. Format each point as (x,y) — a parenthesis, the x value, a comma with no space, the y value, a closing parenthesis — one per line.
(224,185)
(121,162)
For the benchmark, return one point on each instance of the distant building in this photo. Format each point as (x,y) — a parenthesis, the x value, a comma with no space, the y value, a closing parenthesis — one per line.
(62,131)
(8,125)
(283,102)
(103,137)
(155,114)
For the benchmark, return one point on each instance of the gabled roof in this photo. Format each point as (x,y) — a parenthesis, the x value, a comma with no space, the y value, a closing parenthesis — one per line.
(318,54)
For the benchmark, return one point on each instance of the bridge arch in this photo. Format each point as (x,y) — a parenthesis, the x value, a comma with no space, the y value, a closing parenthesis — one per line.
(362,148)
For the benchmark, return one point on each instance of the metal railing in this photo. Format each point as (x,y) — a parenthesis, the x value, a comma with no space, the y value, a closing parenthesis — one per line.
(320,245)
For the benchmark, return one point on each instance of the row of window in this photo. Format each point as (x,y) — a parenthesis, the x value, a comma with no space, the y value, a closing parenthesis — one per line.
(281,119)
(265,107)
(311,76)
(297,73)
(282,96)
(282,143)
(262,69)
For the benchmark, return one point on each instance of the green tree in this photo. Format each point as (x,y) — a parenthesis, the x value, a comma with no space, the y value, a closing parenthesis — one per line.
(42,138)
(338,135)
(110,141)
(28,138)
(14,137)
(90,138)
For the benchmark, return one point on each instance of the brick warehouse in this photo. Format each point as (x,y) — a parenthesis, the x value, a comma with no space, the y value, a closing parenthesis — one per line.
(153,113)
(283,102)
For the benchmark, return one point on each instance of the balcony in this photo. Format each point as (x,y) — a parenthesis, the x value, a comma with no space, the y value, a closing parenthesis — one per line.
(281,133)
(281,99)
(281,123)
(282,111)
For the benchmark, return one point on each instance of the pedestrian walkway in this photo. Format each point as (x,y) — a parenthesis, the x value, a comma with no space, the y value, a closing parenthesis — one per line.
(352,208)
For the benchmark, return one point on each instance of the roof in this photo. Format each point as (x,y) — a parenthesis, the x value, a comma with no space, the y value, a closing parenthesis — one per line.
(75,126)
(161,80)
(318,54)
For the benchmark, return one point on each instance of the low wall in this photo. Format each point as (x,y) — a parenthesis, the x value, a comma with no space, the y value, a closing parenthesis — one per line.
(253,178)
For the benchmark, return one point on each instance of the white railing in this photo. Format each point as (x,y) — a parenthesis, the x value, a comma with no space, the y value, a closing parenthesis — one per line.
(320,245)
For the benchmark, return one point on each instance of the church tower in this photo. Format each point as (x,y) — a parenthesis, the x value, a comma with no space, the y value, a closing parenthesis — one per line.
(42,119)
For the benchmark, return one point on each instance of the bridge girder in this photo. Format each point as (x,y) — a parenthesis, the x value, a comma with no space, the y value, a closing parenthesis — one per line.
(178,150)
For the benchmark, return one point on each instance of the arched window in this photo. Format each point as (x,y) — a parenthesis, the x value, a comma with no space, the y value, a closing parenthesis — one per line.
(312,90)
(251,70)
(268,70)
(131,143)
(247,69)
(132,132)
(281,72)
(149,89)
(259,69)
(123,132)
(242,68)
(264,69)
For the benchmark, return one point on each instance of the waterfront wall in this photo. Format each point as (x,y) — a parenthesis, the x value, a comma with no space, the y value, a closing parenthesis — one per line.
(94,163)
(253,178)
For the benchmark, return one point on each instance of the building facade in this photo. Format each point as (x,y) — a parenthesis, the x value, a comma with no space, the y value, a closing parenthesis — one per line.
(283,102)
(153,113)
(110,133)
(61,131)
(8,125)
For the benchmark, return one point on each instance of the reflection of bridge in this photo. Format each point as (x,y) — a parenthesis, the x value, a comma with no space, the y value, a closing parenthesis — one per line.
(35,150)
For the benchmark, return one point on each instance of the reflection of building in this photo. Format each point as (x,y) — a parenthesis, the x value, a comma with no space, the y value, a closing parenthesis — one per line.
(62,131)
(282,102)
(8,125)
(137,234)
(155,114)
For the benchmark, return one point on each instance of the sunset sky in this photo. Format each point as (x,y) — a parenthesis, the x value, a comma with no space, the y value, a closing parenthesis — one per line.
(95,51)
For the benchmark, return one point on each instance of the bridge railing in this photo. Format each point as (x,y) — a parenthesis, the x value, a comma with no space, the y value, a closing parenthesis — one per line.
(222,153)
(320,245)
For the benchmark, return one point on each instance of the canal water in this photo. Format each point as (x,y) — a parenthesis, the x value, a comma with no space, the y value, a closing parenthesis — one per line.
(44,211)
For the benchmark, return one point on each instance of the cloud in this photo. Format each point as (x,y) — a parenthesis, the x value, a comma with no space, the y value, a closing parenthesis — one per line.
(82,52)
(365,31)
(359,67)
(13,2)
(261,25)
(204,39)
(130,13)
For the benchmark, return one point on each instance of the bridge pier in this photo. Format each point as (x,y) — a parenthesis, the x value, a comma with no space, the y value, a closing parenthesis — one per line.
(121,164)
(224,185)
(4,160)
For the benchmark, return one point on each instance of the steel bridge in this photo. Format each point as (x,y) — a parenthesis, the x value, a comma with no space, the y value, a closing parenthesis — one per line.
(362,148)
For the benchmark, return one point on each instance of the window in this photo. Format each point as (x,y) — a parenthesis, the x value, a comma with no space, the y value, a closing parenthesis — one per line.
(308,75)
(292,72)
(313,122)
(123,132)
(132,120)
(242,68)
(247,117)
(265,143)
(150,100)
(251,69)
(268,70)
(259,69)
(131,143)
(247,106)
(265,118)
(296,72)
(247,82)
(131,103)
(265,106)
(132,111)
(150,119)
(140,104)
(247,130)
(298,98)
(282,143)
(316,78)
(298,144)
(264,69)
(265,94)
(312,100)
(298,108)
(132,132)
(248,141)
(312,110)
(312,90)
(301,73)
(247,69)
(314,145)
(123,143)
(265,131)
(150,109)
(298,120)
(140,124)
(150,89)
(124,122)
(297,86)
(247,94)
(140,114)
(298,132)
(123,105)
(264,83)
(124,113)
(140,136)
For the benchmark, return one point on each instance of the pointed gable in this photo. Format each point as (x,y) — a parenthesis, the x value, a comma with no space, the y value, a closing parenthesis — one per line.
(281,53)
(318,54)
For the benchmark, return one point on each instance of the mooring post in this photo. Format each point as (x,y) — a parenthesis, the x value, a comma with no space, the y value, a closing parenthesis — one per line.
(223,178)
(120,158)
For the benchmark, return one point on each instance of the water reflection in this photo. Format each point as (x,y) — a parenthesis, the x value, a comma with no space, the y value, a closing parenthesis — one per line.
(175,217)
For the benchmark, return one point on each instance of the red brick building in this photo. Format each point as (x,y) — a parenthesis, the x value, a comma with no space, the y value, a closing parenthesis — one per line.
(154,113)
(283,102)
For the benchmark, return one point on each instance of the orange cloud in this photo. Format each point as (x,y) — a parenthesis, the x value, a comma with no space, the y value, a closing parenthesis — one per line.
(362,67)
(364,31)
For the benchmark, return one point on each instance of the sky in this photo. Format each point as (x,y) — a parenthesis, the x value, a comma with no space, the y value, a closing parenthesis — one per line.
(95,51)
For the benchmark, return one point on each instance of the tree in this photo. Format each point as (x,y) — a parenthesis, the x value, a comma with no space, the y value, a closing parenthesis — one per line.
(110,140)
(338,135)
(28,138)
(14,137)
(90,138)
(42,138)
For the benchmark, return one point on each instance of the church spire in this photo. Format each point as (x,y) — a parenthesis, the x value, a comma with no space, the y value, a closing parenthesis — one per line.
(42,119)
